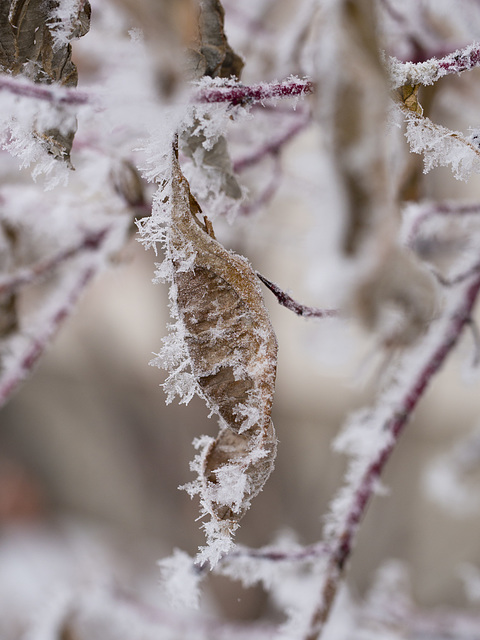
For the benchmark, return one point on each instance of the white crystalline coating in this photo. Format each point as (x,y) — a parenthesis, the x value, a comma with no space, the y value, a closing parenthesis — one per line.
(180,580)
(63,21)
(442,147)
(428,72)
(402,73)
(19,117)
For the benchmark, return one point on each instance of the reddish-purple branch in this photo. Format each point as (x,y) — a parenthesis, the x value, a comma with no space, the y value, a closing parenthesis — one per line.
(46,93)
(278,554)
(342,545)
(431,210)
(236,93)
(432,70)
(90,242)
(25,356)
(300,309)
(272,147)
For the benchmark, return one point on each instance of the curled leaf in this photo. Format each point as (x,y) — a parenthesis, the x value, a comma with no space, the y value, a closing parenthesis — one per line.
(34,38)
(213,55)
(231,351)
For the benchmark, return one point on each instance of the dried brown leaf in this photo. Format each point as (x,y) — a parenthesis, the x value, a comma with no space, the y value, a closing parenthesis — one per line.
(233,353)
(214,56)
(29,48)
(408,95)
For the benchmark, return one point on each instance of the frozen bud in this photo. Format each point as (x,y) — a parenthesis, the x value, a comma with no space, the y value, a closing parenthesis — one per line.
(128,183)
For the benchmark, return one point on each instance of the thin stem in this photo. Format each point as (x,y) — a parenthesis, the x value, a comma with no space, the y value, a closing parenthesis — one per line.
(362,486)
(46,93)
(272,147)
(291,304)
(431,210)
(428,72)
(90,242)
(268,191)
(277,554)
(20,364)
(240,94)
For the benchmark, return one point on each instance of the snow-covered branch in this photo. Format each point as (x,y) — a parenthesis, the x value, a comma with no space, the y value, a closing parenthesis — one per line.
(236,93)
(46,93)
(372,438)
(428,72)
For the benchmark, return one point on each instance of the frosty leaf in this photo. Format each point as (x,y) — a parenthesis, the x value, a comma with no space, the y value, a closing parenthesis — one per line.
(32,46)
(232,351)
(213,56)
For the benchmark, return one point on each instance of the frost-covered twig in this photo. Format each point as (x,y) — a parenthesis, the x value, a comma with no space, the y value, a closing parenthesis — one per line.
(385,425)
(428,72)
(271,147)
(28,275)
(300,309)
(26,354)
(429,210)
(268,191)
(240,94)
(46,93)
(441,146)
(277,554)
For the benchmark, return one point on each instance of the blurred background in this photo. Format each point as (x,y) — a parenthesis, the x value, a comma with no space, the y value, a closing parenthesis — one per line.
(91,457)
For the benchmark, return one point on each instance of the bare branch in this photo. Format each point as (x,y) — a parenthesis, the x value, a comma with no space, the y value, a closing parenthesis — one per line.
(19,365)
(300,309)
(272,147)
(364,485)
(90,242)
(426,73)
(240,94)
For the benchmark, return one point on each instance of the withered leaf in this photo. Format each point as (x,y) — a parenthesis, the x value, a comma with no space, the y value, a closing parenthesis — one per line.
(29,48)
(214,56)
(233,352)
(408,95)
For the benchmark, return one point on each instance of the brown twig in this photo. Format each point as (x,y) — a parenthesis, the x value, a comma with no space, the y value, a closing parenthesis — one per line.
(300,309)
(362,486)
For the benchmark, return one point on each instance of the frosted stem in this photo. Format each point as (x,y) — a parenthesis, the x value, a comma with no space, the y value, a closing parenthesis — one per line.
(21,364)
(278,554)
(270,147)
(428,72)
(440,209)
(90,242)
(240,94)
(46,93)
(363,485)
